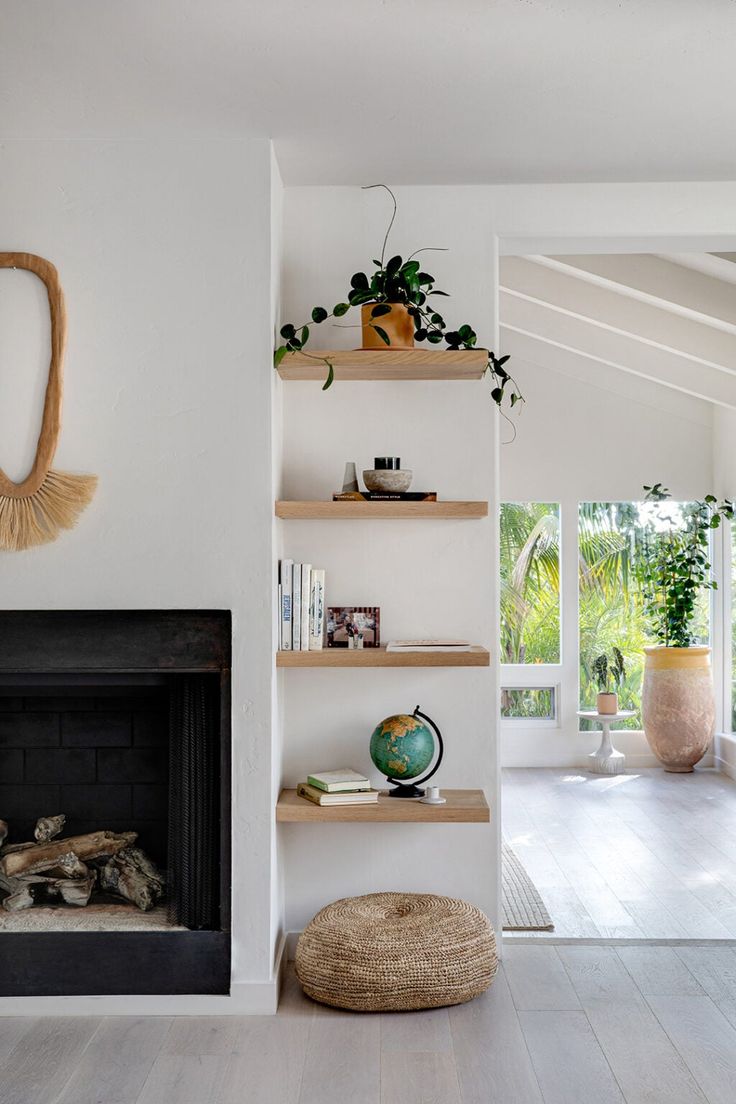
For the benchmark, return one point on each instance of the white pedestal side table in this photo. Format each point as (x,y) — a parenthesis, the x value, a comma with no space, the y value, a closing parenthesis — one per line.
(606,760)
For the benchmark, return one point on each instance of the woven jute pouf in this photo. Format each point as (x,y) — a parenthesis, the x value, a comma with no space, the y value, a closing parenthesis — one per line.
(393,952)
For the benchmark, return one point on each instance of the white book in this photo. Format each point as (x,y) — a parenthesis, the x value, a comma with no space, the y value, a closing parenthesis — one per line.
(317,610)
(296,607)
(279,608)
(428,646)
(286,569)
(306,596)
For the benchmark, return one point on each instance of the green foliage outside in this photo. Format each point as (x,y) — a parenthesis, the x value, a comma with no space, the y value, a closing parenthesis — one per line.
(611,540)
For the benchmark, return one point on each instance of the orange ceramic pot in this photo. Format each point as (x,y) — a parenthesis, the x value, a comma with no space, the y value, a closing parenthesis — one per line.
(398,325)
(607,704)
(678,705)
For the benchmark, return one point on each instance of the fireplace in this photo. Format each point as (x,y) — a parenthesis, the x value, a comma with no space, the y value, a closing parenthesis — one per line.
(120,721)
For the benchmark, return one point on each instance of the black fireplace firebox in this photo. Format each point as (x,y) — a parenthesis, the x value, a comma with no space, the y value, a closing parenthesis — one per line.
(121,720)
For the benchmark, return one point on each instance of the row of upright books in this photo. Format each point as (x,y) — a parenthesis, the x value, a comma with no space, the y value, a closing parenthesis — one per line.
(301,605)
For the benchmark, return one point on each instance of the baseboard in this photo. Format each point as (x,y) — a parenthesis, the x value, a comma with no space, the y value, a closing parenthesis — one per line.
(249,998)
(725,754)
(723,765)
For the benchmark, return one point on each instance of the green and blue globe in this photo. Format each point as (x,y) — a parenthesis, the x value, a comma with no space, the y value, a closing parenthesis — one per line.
(402,747)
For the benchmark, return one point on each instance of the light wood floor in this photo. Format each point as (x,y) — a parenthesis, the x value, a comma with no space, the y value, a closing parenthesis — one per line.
(644,855)
(560,1025)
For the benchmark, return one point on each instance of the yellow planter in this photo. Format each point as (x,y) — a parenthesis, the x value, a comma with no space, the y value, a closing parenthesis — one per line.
(678,706)
(398,325)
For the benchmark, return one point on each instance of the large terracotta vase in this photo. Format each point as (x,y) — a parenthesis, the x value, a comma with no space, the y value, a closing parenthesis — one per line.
(397,324)
(678,705)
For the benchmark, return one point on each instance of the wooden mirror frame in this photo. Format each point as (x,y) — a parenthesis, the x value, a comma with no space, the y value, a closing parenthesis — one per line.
(48,437)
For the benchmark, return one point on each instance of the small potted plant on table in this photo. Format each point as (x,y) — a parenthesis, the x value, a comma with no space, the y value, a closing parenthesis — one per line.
(678,707)
(609,672)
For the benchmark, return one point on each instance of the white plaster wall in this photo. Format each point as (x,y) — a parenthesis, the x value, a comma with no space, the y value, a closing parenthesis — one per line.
(595,438)
(429,578)
(163,252)
(329,232)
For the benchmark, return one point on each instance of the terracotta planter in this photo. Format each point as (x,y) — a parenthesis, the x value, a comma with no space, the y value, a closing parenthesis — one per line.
(678,706)
(398,324)
(607,703)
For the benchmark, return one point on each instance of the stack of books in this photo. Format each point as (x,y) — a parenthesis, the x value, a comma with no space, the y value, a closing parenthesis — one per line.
(338,787)
(384,496)
(442,644)
(301,606)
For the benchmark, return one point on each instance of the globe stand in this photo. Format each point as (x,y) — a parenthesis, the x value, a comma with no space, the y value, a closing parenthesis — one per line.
(414,789)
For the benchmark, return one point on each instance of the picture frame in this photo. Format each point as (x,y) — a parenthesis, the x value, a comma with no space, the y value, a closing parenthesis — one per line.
(353,627)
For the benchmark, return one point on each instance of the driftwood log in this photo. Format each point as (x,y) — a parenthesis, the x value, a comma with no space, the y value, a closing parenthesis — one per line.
(28,890)
(40,857)
(48,827)
(132,875)
(67,871)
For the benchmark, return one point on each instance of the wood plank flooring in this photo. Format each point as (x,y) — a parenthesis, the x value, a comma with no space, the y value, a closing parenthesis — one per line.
(560,1025)
(642,855)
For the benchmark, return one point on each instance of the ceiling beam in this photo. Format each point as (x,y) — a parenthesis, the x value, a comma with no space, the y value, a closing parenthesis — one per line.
(563,330)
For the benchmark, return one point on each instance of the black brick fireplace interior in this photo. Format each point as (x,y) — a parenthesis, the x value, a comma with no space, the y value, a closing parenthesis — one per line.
(121,721)
(99,754)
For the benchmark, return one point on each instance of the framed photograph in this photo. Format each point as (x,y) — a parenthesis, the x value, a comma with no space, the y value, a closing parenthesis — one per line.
(353,626)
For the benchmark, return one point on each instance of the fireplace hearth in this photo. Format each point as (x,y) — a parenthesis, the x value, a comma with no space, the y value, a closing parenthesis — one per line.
(120,721)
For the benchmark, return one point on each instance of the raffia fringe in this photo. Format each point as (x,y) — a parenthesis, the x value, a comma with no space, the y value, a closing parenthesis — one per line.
(38,519)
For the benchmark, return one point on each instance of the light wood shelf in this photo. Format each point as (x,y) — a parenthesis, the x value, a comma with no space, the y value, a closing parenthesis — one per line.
(462,807)
(379,657)
(354,509)
(388,364)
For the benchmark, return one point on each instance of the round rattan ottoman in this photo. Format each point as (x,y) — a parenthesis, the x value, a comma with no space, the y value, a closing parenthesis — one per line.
(393,952)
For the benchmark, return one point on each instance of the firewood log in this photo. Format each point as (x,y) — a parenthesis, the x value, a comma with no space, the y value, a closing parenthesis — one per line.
(44,856)
(48,827)
(9,848)
(75,891)
(3,830)
(27,890)
(19,893)
(69,866)
(131,874)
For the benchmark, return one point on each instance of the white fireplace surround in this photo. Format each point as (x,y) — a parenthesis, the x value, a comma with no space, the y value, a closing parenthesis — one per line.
(171,255)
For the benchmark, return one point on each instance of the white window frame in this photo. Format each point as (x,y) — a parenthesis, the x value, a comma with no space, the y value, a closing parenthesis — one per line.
(515,676)
(539,676)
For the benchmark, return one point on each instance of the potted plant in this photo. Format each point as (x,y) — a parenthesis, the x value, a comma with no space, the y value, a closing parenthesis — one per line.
(609,672)
(396,306)
(678,708)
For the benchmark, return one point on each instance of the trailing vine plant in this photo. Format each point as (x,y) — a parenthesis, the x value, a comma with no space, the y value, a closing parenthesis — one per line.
(404,282)
(675,567)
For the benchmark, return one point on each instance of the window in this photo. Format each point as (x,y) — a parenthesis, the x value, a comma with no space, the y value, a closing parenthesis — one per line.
(530,582)
(537,703)
(610,536)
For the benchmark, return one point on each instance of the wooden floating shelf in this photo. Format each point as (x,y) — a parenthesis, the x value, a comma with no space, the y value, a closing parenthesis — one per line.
(355,509)
(388,364)
(462,807)
(379,657)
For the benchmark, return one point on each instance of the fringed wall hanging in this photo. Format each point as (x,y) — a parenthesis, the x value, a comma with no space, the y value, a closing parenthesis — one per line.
(34,511)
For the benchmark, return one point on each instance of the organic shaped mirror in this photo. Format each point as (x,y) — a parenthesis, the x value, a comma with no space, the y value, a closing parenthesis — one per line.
(34,510)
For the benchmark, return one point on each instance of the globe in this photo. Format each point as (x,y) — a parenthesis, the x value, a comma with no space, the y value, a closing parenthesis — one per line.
(402,747)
